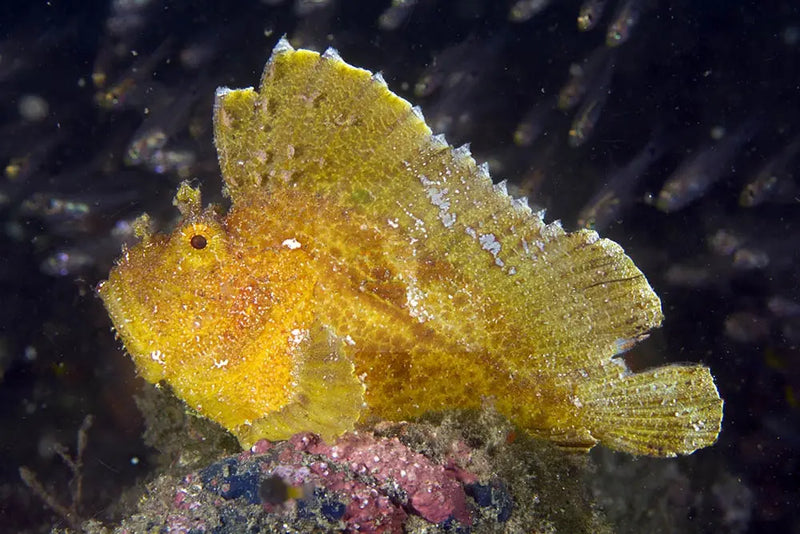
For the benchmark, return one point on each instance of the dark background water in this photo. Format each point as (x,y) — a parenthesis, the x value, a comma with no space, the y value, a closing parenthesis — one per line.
(689,71)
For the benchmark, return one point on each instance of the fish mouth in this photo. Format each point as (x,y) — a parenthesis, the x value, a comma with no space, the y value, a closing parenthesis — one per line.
(131,326)
(111,300)
(118,306)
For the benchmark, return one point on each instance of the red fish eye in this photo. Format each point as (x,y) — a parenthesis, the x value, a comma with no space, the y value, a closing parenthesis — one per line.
(198,241)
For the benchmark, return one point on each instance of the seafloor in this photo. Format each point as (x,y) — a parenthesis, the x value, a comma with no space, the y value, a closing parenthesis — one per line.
(85,84)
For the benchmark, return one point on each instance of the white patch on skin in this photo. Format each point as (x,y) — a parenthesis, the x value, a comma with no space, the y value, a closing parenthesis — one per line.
(419,224)
(297,336)
(158,357)
(414,298)
(490,244)
(219,364)
(392,223)
(291,244)
(438,197)
(448,219)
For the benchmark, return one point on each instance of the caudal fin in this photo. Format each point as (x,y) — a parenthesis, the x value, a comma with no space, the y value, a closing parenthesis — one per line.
(661,412)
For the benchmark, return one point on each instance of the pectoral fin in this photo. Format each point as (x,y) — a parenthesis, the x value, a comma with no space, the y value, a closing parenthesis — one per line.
(328,399)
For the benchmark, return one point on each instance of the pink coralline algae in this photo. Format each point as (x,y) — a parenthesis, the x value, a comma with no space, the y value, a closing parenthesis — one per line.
(361,483)
(431,490)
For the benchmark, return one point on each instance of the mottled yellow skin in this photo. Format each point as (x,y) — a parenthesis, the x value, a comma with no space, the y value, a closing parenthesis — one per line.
(366,268)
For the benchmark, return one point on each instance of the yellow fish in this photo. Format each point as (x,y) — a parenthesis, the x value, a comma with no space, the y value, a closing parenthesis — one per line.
(366,269)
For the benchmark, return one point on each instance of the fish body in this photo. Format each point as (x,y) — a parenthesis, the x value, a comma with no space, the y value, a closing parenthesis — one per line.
(168,116)
(396,14)
(523,10)
(450,67)
(130,88)
(590,13)
(153,144)
(533,122)
(618,193)
(773,180)
(589,113)
(585,120)
(66,262)
(625,19)
(697,173)
(593,73)
(367,270)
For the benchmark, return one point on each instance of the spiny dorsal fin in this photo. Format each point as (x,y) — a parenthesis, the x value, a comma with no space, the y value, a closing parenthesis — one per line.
(318,123)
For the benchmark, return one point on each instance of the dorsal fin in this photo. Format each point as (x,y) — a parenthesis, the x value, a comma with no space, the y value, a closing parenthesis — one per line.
(318,123)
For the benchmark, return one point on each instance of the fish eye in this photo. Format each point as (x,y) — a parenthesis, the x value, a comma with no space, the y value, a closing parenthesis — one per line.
(198,241)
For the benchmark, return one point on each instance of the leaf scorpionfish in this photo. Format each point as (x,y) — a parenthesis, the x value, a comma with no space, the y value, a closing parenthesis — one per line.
(367,269)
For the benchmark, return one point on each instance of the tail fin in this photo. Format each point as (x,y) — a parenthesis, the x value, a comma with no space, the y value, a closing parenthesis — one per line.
(661,412)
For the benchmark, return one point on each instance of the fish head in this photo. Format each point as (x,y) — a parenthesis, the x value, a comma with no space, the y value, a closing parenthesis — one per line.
(166,295)
(218,316)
